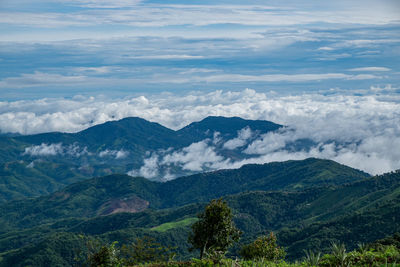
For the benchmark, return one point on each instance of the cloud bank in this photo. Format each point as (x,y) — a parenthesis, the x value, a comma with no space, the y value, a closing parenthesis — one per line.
(117,154)
(55,149)
(361,130)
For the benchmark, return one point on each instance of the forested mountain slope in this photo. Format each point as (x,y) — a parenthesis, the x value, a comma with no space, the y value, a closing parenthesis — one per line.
(117,193)
(34,165)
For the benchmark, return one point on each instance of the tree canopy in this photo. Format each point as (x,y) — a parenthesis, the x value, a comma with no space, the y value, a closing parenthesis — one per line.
(215,230)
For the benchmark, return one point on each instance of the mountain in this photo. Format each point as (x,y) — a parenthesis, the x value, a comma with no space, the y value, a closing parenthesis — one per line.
(313,217)
(226,127)
(132,134)
(360,212)
(34,165)
(19,180)
(119,193)
(10,149)
(289,175)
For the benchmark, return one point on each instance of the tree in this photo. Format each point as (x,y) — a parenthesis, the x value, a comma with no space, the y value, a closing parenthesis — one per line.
(215,230)
(145,250)
(106,256)
(264,247)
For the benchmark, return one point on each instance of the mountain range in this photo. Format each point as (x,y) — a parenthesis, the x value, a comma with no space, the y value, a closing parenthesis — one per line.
(51,209)
(344,205)
(34,165)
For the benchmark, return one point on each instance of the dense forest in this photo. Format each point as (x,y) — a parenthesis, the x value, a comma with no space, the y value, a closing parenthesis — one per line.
(55,214)
(348,208)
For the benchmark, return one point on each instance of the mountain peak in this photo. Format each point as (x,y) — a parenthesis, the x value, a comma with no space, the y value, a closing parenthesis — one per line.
(227,126)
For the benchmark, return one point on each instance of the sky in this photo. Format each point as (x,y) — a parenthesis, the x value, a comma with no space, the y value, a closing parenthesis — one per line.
(328,69)
(117,48)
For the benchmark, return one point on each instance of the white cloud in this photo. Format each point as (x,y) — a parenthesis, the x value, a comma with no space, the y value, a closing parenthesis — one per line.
(95,77)
(103,3)
(55,149)
(386,89)
(361,129)
(370,69)
(40,79)
(196,157)
(243,135)
(31,165)
(270,142)
(97,70)
(167,57)
(279,77)
(149,15)
(149,169)
(326,48)
(44,150)
(117,154)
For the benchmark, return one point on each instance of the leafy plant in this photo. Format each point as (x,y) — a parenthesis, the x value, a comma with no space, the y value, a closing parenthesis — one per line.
(263,248)
(311,258)
(215,230)
(145,250)
(338,256)
(106,256)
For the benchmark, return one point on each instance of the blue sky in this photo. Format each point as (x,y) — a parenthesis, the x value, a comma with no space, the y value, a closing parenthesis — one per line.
(329,70)
(125,48)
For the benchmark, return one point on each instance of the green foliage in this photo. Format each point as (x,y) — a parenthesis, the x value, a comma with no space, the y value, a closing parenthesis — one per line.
(56,249)
(385,256)
(311,258)
(171,225)
(41,175)
(106,256)
(100,196)
(339,255)
(393,240)
(235,263)
(263,248)
(146,250)
(281,176)
(215,230)
(364,211)
(143,250)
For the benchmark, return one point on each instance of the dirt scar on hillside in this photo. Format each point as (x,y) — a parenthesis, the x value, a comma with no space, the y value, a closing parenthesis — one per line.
(132,204)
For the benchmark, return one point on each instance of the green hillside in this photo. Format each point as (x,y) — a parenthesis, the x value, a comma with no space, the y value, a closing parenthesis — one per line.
(93,152)
(289,175)
(116,193)
(292,215)
(122,208)
(227,127)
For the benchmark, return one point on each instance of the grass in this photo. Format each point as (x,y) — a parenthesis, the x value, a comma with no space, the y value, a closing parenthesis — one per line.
(171,225)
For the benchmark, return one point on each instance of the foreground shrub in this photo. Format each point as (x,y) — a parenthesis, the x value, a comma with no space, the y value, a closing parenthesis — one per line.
(215,230)
(385,256)
(263,248)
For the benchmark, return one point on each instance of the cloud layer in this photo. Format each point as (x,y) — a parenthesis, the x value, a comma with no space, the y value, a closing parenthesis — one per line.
(360,130)
(55,149)
(120,48)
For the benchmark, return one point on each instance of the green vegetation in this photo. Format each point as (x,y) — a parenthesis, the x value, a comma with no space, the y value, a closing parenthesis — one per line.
(142,251)
(25,175)
(227,127)
(320,210)
(215,231)
(104,195)
(262,252)
(122,208)
(172,225)
(264,248)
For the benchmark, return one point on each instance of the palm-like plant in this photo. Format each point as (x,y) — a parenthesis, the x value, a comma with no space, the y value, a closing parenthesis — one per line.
(362,248)
(340,255)
(312,259)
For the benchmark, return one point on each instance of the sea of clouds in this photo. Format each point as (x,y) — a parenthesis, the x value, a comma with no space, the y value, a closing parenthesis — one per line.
(361,129)
(74,150)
